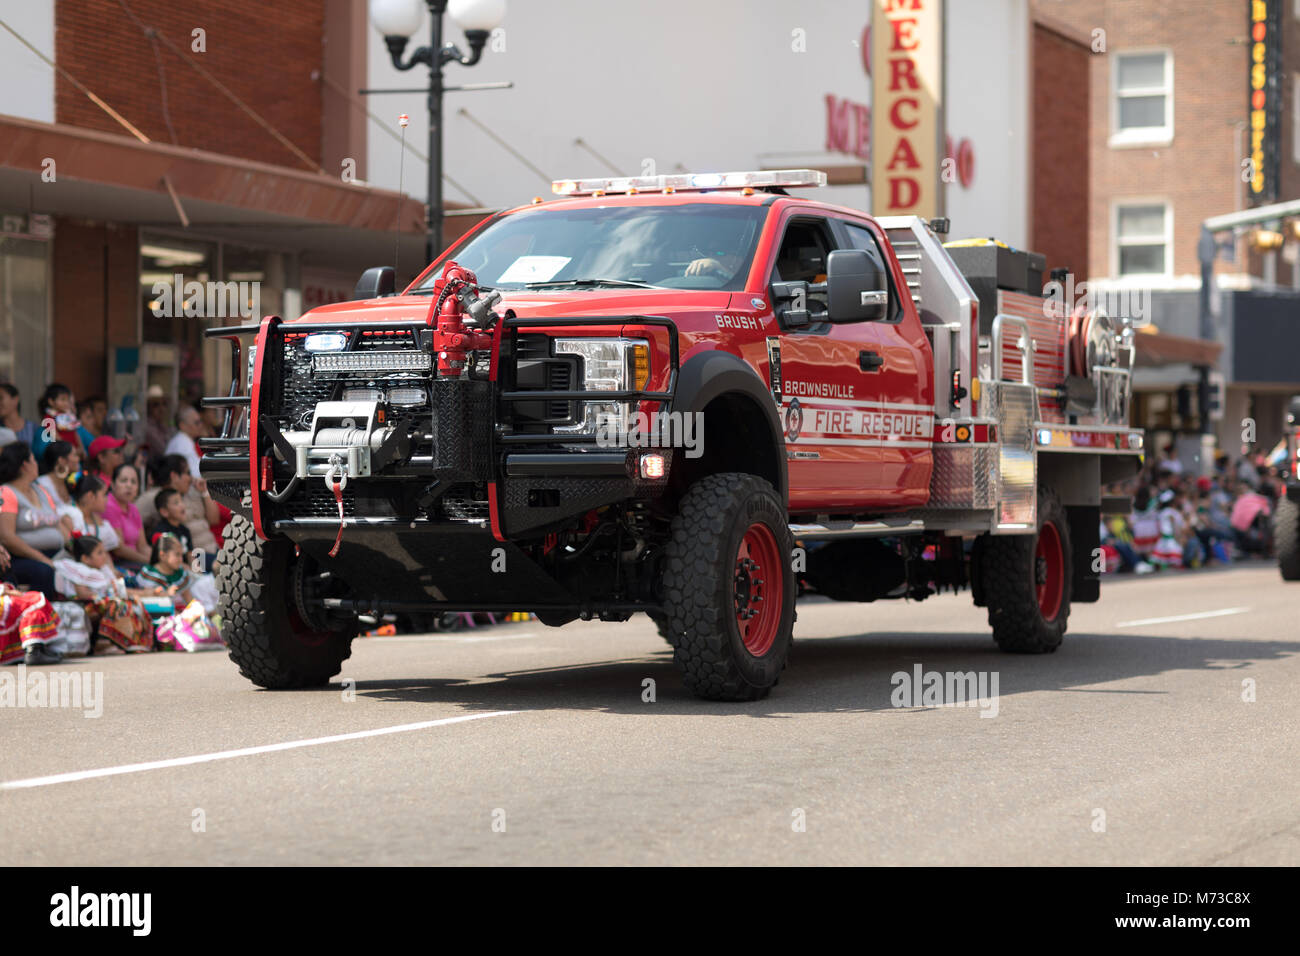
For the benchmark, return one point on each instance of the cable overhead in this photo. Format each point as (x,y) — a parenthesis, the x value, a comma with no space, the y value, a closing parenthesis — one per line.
(583,144)
(504,145)
(80,86)
(357,103)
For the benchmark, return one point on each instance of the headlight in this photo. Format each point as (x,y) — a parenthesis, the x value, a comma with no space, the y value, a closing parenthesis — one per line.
(610,365)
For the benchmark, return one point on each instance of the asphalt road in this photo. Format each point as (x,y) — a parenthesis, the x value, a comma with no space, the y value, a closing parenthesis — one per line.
(1131,745)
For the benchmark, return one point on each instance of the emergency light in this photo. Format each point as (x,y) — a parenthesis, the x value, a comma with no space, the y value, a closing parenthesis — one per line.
(690,182)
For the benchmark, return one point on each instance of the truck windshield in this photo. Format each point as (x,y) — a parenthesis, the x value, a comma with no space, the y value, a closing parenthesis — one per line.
(690,246)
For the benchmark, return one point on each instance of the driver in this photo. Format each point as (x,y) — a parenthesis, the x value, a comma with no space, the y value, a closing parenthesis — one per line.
(723,264)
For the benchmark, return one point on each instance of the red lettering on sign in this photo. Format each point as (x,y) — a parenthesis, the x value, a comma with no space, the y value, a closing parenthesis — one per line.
(900,187)
(903,154)
(903,28)
(896,116)
(900,70)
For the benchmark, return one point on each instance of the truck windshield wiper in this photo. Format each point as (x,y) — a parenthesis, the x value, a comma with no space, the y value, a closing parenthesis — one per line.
(628,283)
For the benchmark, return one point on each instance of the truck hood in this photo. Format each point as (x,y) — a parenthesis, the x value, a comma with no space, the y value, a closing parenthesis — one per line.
(415,308)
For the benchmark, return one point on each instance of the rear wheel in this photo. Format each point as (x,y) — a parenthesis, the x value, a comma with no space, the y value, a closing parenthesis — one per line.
(1027,582)
(275,644)
(728,588)
(1286,537)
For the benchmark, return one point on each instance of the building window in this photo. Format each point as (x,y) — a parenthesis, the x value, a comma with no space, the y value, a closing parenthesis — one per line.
(1142,239)
(1143,104)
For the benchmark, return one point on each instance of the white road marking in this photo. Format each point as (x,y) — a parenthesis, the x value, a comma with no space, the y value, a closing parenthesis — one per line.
(1184,617)
(242,752)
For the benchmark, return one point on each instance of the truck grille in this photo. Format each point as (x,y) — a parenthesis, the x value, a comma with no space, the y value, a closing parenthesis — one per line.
(299,392)
(560,375)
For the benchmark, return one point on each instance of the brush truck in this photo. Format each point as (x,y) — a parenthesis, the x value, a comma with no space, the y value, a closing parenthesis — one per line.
(692,396)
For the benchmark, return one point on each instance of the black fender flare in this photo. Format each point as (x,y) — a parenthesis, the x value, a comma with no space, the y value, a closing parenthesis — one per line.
(712,374)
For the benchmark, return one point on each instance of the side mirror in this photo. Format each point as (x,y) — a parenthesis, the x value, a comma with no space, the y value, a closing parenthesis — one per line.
(376,282)
(855,287)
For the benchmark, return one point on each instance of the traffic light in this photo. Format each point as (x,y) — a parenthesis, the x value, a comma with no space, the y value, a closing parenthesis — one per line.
(1217,384)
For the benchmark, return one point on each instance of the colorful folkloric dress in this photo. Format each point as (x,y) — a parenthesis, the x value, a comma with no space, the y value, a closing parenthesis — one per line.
(122,619)
(26,618)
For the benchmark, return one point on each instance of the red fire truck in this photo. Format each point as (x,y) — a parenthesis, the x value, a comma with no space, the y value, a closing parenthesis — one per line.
(676,395)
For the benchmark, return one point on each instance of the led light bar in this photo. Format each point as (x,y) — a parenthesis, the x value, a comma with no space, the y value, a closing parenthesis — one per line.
(690,182)
(372,362)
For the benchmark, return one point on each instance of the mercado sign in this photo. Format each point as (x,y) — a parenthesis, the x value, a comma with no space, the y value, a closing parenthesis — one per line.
(907,97)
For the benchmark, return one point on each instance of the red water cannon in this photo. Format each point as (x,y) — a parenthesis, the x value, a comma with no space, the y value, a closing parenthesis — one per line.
(461,316)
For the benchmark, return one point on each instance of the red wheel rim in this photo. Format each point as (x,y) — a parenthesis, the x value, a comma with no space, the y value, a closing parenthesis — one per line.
(302,633)
(758,589)
(1049,571)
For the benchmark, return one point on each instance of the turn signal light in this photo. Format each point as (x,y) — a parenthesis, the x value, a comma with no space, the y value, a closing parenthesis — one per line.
(640,366)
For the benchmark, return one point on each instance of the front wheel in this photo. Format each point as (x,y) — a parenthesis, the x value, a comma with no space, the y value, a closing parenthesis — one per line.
(1027,582)
(728,588)
(1286,537)
(262,623)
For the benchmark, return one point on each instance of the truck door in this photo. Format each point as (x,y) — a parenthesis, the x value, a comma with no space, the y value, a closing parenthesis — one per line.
(832,450)
(901,386)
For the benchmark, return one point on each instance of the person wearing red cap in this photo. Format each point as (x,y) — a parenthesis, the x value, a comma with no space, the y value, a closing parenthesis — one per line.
(105,455)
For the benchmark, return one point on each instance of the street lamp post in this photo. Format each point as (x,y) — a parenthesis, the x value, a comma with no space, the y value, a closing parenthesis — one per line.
(398,20)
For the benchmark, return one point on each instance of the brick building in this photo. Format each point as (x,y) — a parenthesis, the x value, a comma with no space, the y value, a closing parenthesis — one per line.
(1170,146)
(146,144)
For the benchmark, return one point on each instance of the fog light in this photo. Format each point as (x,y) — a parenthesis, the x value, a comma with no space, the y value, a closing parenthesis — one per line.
(652,466)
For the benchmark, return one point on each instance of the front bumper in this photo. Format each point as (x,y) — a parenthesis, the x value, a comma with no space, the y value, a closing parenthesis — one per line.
(519,482)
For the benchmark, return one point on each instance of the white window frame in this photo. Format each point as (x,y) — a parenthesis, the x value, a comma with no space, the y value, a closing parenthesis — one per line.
(1295,115)
(1145,135)
(1168,237)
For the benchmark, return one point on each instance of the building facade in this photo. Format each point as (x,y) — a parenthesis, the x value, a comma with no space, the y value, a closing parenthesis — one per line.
(168,167)
(1172,143)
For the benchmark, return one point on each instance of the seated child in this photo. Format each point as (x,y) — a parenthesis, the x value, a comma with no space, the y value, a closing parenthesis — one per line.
(116,609)
(171,518)
(167,570)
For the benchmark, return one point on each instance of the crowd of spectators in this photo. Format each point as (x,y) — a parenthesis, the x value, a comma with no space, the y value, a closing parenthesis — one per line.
(1179,520)
(122,524)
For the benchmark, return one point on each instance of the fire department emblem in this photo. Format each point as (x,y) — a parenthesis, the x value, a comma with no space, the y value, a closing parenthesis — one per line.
(793,420)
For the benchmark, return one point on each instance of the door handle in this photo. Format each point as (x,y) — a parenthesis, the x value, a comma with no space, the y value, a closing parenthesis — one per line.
(869,361)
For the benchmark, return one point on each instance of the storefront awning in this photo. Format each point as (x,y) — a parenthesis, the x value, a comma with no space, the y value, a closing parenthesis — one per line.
(106,177)
(1155,349)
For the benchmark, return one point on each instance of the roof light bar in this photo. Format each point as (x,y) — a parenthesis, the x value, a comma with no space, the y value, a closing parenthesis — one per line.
(687,182)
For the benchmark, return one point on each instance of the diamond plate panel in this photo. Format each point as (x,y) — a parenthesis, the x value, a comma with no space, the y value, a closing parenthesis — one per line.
(1017,498)
(963,477)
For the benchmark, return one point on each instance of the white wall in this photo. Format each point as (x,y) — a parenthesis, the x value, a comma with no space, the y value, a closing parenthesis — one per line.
(988,92)
(702,86)
(26,82)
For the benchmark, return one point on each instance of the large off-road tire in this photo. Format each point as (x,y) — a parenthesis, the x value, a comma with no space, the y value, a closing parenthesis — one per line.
(1027,582)
(266,635)
(1286,537)
(728,589)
